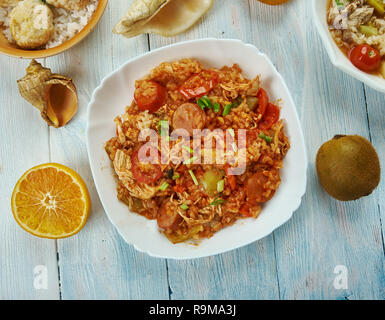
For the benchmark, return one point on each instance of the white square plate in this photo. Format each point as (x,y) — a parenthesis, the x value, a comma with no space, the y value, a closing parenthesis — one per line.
(116,92)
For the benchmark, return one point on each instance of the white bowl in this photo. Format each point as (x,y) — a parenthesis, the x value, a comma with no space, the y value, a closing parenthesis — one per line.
(337,57)
(116,92)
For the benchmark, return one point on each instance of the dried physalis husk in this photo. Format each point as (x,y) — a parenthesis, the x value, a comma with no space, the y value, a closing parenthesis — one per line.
(164,17)
(53,94)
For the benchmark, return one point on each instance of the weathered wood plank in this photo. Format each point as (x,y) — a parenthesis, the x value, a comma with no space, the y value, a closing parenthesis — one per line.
(247,273)
(296,262)
(24,144)
(323,233)
(375,108)
(97,263)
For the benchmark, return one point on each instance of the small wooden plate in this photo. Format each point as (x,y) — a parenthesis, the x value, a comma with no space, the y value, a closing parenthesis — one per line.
(13,51)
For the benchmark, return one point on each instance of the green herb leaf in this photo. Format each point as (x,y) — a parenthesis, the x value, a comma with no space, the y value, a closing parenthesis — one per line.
(236,102)
(265,137)
(217,202)
(175,176)
(170,173)
(190,161)
(163,127)
(184,206)
(193,177)
(226,110)
(164,186)
(205,102)
(220,185)
(188,149)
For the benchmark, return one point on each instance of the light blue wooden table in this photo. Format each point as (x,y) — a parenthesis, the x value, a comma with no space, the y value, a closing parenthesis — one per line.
(328,250)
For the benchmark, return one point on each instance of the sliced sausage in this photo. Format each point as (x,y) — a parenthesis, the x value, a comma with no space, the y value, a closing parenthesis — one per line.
(150,95)
(189,116)
(146,173)
(168,217)
(260,188)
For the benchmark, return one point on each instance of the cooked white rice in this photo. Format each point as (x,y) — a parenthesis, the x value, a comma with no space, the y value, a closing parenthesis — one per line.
(66,23)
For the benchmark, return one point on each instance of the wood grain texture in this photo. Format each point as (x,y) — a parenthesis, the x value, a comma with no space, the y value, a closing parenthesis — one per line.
(324,233)
(297,261)
(254,273)
(24,144)
(97,263)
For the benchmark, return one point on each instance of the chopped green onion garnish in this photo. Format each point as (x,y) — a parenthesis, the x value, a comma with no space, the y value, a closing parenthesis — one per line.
(205,102)
(235,148)
(190,161)
(265,137)
(340,4)
(164,186)
(184,206)
(217,202)
(231,131)
(188,149)
(226,110)
(236,102)
(163,127)
(216,107)
(220,185)
(175,176)
(193,177)
(201,104)
(368,30)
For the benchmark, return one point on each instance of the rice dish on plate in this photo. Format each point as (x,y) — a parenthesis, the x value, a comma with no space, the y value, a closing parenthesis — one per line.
(192,186)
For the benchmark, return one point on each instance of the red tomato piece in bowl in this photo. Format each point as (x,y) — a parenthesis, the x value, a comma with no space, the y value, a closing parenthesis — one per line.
(365,57)
(270,117)
(150,95)
(263,101)
(199,84)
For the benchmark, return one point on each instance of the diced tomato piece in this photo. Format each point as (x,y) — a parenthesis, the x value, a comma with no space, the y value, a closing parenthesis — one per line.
(199,84)
(270,117)
(230,178)
(245,210)
(263,101)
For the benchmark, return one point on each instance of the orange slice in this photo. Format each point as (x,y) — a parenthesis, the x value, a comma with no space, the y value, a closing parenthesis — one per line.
(51,201)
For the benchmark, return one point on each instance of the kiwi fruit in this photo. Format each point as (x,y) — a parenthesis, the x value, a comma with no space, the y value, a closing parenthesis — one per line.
(348,167)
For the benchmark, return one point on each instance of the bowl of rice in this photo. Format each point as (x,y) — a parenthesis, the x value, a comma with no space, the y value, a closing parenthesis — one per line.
(70,26)
(335,47)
